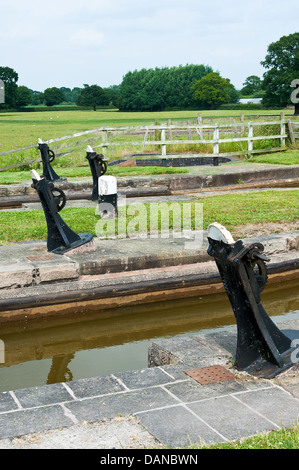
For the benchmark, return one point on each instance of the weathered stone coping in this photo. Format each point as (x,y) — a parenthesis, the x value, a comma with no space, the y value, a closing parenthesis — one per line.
(120,272)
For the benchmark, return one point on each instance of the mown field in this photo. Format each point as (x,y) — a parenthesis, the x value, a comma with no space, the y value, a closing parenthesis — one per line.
(21,129)
(18,130)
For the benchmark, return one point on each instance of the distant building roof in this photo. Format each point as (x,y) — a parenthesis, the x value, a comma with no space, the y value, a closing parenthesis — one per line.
(251,100)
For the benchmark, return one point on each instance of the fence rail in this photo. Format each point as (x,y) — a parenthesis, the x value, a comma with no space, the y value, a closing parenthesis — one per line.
(250,138)
(165,135)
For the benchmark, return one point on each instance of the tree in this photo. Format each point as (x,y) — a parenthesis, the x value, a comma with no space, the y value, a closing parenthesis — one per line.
(282,64)
(112,94)
(159,88)
(53,96)
(93,96)
(10,78)
(67,93)
(36,97)
(252,85)
(234,95)
(212,90)
(23,96)
(75,93)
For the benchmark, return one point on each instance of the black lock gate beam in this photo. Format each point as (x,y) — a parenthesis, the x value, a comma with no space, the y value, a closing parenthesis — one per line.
(262,349)
(48,156)
(98,167)
(60,237)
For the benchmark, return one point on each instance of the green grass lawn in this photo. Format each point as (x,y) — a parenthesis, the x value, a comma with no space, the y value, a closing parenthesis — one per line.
(231,211)
(286,438)
(21,129)
(15,177)
(289,157)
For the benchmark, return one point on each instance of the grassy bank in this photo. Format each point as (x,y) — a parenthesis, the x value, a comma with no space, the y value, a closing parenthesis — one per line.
(15,177)
(290,157)
(232,211)
(286,438)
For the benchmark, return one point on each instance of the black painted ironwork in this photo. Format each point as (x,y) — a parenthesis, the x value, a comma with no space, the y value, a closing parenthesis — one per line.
(108,205)
(48,157)
(60,237)
(98,167)
(262,349)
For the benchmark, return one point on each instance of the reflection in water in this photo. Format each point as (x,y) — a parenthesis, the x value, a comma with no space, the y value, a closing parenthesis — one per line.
(59,371)
(104,342)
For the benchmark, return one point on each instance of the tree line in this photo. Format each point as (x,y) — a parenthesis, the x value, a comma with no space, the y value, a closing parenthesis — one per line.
(182,87)
(143,90)
(21,96)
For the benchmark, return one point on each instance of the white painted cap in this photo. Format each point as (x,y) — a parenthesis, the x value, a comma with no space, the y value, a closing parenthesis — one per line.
(216,231)
(89,149)
(35,175)
(107,185)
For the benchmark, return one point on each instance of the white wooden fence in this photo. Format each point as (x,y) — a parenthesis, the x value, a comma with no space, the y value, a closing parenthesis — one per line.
(216,140)
(104,139)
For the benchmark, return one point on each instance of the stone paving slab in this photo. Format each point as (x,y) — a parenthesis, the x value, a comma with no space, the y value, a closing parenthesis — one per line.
(275,404)
(41,396)
(33,420)
(94,386)
(189,428)
(118,433)
(125,403)
(217,412)
(172,407)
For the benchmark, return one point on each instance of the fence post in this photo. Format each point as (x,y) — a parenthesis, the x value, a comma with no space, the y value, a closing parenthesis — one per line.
(105,142)
(163,146)
(242,127)
(291,132)
(235,127)
(189,130)
(199,120)
(145,139)
(216,140)
(250,135)
(282,131)
(169,130)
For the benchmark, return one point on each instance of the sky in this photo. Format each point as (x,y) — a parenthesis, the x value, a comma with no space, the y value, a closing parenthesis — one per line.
(68,43)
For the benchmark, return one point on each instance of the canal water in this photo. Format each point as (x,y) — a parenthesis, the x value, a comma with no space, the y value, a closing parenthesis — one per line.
(101,342)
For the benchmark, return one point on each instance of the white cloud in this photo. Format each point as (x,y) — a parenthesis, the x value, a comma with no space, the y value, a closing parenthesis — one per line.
(88,37)
(230,36)
(17,32)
